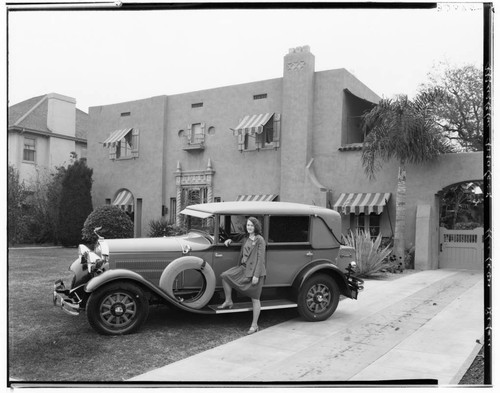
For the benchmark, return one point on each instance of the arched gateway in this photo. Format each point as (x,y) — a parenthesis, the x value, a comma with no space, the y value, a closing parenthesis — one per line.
(437,242)
(461,226)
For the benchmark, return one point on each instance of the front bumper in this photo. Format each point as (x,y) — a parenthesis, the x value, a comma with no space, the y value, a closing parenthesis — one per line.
(60,299)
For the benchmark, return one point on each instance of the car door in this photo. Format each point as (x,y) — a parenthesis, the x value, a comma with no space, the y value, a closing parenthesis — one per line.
(289,248)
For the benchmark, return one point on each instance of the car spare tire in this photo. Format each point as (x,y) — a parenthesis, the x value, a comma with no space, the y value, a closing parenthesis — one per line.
(205,293)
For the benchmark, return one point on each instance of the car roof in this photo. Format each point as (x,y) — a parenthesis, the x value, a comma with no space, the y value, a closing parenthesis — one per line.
(260,208)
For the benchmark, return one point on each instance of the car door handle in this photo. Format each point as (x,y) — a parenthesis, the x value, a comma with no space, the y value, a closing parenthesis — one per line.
(217,255)
(309,254)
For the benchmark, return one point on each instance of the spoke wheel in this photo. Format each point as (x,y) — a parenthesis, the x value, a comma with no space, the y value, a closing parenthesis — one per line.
(318,298)
(118,308)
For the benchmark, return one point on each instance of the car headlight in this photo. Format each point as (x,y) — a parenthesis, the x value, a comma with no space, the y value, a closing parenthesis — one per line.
(93,261)
(353,264)
(102,250)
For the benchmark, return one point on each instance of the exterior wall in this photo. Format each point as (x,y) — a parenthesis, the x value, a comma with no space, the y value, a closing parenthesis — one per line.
(52,123)
(28,171)
(81,150)
(61,115)
(424,182)
(310,166)
(143,176)
(247,172)
(59,151)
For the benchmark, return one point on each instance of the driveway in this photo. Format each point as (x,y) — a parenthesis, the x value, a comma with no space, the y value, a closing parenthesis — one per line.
(423,328)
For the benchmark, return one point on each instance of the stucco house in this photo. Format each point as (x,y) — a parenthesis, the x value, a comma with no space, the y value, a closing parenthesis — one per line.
(294,138)
(45,132)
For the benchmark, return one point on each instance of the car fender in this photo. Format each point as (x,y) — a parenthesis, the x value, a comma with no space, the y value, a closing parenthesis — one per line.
(324,266)
(129,275)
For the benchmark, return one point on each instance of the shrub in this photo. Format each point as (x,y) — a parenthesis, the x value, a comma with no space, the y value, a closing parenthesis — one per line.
(370,257)
(75,204)
(467,225)
(161,227)
(410,258)
(114,223)
(17,194)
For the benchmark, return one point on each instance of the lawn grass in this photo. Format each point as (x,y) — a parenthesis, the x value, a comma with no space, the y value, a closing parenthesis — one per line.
(47,345)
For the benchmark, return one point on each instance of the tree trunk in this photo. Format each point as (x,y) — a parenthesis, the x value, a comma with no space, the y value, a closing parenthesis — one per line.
(399,230)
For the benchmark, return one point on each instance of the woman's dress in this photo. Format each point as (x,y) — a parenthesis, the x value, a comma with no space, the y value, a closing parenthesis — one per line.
(236,276)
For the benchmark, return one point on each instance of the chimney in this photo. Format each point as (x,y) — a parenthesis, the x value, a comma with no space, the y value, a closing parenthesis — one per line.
(61,114)
(297,122)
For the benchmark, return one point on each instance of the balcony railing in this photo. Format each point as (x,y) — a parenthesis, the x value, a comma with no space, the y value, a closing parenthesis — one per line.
(196,142)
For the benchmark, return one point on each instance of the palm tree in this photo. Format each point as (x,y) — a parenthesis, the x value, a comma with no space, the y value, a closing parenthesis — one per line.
(404,130)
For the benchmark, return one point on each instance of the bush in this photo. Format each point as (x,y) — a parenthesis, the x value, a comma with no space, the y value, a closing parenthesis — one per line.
(370,257)
(410,258)
(75,203)
(114,223)
(467,225)
(17,194)
(161,227)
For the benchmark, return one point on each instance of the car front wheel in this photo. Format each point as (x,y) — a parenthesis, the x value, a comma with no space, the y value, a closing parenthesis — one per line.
(117,309)
(318,298)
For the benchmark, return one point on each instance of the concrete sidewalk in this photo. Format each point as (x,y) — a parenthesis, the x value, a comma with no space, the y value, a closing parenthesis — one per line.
(422,326)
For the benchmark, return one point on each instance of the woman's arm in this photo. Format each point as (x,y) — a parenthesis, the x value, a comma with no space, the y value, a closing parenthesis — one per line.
(237,238)
(261,255)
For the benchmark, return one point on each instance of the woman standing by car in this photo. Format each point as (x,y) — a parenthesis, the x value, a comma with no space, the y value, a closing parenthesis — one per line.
(248,277)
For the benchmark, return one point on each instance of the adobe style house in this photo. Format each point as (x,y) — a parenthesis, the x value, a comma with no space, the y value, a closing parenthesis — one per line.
(45,132)
(294,138)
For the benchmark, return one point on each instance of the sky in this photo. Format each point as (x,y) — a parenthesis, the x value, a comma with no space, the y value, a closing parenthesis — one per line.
(106,57)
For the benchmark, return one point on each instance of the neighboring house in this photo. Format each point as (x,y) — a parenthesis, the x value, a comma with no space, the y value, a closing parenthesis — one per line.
(45,132)
(296,138)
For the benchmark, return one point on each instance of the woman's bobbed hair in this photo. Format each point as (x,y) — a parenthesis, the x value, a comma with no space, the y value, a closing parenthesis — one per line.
(257,225)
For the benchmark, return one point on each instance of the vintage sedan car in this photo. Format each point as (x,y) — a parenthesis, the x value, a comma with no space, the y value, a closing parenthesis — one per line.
(307,267)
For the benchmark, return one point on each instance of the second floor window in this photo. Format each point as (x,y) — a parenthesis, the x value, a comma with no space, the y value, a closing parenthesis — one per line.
(257,132)
(29,149)
(124,148)
(197,133)
(123,144)
(353,109)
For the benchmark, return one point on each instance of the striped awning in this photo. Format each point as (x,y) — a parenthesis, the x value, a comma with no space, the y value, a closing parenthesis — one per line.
(124,198)
(257,198)
(252,124)
(358,203)
(115,137)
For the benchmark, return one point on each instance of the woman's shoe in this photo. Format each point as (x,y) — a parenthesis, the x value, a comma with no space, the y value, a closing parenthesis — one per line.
(225,305)
(253,329)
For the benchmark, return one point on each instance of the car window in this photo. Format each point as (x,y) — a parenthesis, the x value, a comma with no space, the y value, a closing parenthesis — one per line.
(235,225)
(288,229)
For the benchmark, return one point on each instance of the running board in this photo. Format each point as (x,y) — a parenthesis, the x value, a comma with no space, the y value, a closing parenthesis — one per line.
(247,306)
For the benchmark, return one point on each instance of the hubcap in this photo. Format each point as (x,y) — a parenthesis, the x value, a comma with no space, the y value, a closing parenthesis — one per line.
(318,298)
(118,310)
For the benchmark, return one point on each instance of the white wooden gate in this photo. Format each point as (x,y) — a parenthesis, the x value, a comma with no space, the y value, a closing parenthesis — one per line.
(461,249)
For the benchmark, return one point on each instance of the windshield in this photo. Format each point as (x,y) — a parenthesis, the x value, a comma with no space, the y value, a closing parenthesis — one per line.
(199,224)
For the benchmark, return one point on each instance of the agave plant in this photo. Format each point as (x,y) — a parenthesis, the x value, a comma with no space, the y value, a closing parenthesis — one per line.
(370,257)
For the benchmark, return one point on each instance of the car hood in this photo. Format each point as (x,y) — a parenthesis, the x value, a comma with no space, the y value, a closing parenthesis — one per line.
(197,242)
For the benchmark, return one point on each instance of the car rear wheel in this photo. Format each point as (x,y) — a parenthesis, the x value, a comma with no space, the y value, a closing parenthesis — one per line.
(117,309)
(318,298)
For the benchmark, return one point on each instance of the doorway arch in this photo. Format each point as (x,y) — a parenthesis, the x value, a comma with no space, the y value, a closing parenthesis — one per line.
(125,200)
(461,226)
